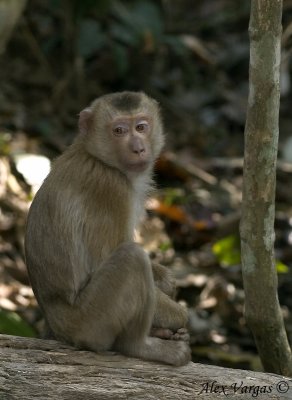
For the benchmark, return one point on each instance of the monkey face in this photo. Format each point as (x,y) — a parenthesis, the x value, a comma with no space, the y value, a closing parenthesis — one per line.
(123,130)
(131,137)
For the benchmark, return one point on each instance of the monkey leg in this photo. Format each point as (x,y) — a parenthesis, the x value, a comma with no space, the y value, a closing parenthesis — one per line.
(115,311)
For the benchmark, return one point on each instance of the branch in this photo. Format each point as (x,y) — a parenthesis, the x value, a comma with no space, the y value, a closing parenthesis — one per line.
(47,369)
(263,311)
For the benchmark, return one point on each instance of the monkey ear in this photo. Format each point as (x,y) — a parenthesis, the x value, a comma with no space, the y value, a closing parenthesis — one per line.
(84,122)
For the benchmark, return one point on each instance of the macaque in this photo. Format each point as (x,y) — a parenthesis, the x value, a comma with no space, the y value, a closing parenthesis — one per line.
(97,288)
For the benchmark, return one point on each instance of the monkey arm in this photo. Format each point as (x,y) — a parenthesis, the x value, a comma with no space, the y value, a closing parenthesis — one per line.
(163,279)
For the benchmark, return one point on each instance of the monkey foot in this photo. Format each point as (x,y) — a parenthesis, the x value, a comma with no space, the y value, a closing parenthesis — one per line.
(164,333)
(181,334)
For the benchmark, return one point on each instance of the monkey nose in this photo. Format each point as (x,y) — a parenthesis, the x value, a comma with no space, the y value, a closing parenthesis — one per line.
(139,150)
(137,146)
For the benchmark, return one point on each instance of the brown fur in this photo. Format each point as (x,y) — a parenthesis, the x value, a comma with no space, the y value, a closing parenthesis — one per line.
(94,284)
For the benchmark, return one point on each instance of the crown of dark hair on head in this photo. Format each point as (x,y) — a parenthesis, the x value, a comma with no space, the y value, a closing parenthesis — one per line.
(126,101)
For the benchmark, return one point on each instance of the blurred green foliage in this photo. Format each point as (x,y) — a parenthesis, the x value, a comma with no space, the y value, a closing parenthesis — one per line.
(12,324)
(165,246)
(227,251)
(5,139)
(174,196)
(130,32)
(66,53)
(281,268)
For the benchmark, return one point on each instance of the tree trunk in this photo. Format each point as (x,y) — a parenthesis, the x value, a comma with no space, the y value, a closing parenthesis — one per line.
(262,307)
(47,369)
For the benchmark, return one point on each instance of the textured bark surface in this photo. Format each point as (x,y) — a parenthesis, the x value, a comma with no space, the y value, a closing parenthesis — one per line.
(46,369)
(263,312)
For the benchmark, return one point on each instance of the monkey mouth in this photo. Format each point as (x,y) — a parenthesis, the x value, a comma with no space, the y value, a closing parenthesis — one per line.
(138,166)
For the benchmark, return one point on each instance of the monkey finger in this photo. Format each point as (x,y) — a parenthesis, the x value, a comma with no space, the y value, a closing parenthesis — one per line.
(162,333)
(181,334)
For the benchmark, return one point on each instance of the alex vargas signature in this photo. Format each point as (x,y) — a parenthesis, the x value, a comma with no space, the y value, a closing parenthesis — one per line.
(240,388)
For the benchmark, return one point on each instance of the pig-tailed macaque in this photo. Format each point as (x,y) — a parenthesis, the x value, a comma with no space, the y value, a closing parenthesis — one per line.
(97,288)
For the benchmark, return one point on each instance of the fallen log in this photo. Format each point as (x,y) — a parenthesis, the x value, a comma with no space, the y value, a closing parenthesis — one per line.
(47,369)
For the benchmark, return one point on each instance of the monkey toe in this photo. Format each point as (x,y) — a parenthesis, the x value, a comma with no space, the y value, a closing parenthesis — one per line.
(181,334)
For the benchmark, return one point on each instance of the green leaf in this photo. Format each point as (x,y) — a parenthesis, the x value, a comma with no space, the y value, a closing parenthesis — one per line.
(281,268)
(174,196)
(227,250)
(165,246)
(12,324)
(5,139)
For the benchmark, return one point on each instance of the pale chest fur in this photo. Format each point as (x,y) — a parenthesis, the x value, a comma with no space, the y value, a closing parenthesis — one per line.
(141,188)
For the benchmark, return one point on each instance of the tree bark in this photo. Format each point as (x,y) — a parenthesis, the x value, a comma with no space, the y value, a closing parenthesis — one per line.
(262,307)
(47,369)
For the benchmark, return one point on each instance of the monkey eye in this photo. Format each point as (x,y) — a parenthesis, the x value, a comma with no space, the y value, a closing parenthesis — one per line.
(142,127)
(120,130)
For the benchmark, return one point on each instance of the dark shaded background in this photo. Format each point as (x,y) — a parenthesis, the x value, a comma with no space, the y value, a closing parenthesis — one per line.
(193,58)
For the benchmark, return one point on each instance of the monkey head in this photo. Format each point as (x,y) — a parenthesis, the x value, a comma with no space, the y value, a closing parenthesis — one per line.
(123,130)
